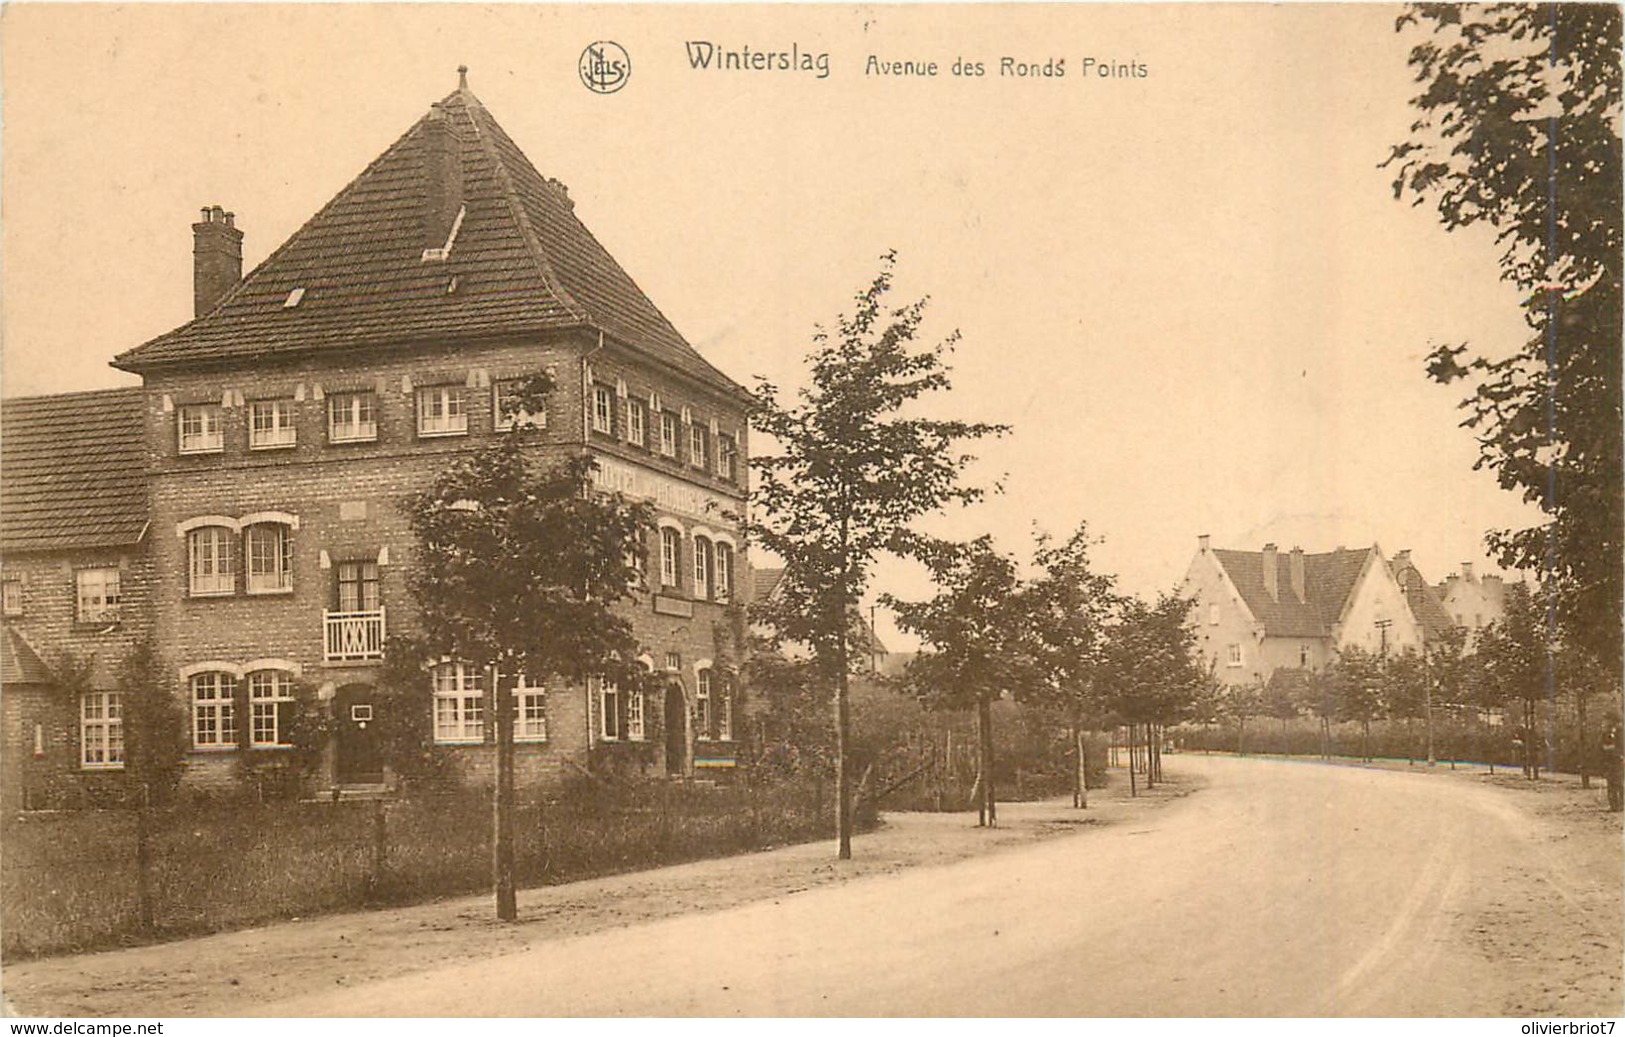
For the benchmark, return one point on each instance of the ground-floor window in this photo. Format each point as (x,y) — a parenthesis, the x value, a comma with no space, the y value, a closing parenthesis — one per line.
(725,712)
(609,711)
(270,707)
(214,710)
(101,730)
(634,716)
(531,702)
(702,706)
(459,704)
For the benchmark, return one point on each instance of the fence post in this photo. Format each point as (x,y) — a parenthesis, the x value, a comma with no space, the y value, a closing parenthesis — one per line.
(143,859)
(380,847)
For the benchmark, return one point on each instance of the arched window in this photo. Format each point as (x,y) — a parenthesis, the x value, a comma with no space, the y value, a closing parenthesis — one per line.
(268,546)
(270,708)
(702,706)
(670,548)
(459,704)
(705,561)
(210,561)
(214,710)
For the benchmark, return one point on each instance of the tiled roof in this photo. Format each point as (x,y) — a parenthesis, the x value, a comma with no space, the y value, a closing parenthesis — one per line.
(1423,600)
(522,262)
(72,471)
(18,662)
(1328,579)
(763,582)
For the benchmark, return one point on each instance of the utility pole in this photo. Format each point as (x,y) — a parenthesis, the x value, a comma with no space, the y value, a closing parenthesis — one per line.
(502,802)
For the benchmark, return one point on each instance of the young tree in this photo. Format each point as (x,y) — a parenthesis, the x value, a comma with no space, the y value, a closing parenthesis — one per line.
(1449,671)
(1284,695)
(1519,129)
(848,473)
(518,571)
(1153,672)
(1069,609)
(1242,702)
(979,637)
(155,738)
(1517,652)
(1356,677)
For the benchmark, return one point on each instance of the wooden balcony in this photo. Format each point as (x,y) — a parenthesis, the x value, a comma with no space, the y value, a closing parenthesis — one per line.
(353,636)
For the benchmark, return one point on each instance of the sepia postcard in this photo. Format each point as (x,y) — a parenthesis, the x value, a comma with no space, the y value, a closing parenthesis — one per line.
(810,510)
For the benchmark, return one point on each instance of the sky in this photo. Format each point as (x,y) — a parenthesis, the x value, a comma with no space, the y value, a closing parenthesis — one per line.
(1190,292)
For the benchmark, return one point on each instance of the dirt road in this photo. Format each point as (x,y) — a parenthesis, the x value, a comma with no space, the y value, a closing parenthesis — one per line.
(1283,889)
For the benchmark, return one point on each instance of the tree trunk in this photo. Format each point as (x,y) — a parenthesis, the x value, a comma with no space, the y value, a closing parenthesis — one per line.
(1580,710)
(843,770)
(1427,708)
(1083,772)
(143,859)
(1078,779)
(1133,789)
(984,724)
(502,809)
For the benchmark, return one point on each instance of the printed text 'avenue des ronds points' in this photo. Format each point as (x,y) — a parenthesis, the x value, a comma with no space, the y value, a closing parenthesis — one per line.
(705,55)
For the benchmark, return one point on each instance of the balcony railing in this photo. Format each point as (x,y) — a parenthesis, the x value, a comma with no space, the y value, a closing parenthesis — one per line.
(353,636)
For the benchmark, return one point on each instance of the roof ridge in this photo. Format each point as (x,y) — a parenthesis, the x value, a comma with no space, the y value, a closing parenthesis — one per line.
(40,397)
(516,208)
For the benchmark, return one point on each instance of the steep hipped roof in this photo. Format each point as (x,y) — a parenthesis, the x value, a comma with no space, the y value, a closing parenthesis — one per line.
(522,262)
(72,471)
(18,662)
(1329,579)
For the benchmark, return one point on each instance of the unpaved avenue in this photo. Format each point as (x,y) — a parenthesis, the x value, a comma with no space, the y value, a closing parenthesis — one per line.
(1283,889)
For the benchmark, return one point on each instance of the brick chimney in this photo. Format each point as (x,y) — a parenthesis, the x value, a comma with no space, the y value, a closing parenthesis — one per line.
(217,258)
(443,178)
(1203,542)
(1272,573)
(1467,571)
(1294,564)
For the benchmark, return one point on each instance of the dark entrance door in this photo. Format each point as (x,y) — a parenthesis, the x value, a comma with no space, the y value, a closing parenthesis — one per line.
(360,758)
(676,731)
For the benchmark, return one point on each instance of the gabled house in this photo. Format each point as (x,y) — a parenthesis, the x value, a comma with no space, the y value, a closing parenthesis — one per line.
(1424,602)
(864,641)
(1473,602)
(1260,611)
(75,590)
(274,435)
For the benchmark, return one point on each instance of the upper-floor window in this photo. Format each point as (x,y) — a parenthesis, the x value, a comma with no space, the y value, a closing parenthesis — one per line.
(699,446)
(269,548)
(603,409)
(722,583)
(356,585)
(1233,655)
(1303,656)
(668,434)
(727,456)
(214,710)
(352,417)
(101,731)
(637,423)
(209,561)
(11,596)
(97,595)
(670,543)
(441,411)
(702,705)
(270,424)
(270,708)
(459,703)
(200,429)
(507,409)
(705,561)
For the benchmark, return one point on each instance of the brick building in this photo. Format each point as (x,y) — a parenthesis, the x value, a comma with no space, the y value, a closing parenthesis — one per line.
(279,430)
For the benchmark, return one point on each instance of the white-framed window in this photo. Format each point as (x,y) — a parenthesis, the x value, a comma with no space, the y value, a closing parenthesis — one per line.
(352,417)
(723,582)
(725,712)
(1232,655)
(441,411)
(674,662)
(459,704)
(214,710)
(506,411)
(270,425)
(199,426)
(268,546)
(210,561)
(97,595)
(11,596)
(530,704)
(699,445)
(702,706)
(668,434)
(705,561)
(670,548)
(635,731)
(101,731)
(637,423)
(727,456)
(270,708)
(603,409)
(356,586)
(610,720)
(1213,614)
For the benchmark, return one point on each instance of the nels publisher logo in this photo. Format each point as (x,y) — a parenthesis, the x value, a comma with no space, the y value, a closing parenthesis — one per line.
(605,67)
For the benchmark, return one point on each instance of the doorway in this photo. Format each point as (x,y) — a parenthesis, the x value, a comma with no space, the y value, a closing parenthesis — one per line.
(360,757)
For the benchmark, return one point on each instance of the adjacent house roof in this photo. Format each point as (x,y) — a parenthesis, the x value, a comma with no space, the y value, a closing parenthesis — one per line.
(18,662)
(1329,580)
(764,582)
(73,471)
(521,261)
(1422,598)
